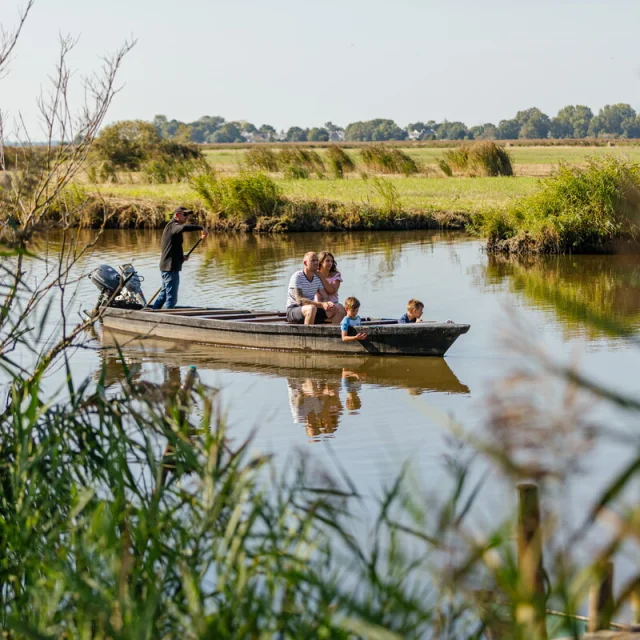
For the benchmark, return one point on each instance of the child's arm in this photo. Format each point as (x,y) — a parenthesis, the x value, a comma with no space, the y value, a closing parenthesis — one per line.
(348,338)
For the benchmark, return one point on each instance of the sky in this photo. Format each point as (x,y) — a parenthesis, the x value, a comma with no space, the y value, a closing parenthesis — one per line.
(304,62)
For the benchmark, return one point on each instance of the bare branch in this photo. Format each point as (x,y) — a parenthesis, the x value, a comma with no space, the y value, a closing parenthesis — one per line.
(9,39)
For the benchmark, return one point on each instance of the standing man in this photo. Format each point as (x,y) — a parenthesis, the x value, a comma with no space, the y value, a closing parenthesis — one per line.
(303,286)
(173,256)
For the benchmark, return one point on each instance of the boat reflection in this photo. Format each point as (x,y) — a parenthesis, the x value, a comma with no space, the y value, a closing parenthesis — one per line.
(321,388)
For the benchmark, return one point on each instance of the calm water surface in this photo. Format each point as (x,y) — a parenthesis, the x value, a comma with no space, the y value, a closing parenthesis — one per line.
(370,415)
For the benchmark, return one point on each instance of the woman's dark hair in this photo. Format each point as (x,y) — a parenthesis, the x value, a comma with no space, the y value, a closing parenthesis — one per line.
(322,255)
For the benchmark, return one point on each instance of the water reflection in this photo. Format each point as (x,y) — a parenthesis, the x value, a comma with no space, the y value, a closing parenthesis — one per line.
(590,295)
(321,388)
(257,256)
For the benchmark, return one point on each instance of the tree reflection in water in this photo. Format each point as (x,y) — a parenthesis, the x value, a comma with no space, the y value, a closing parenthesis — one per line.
(592,295)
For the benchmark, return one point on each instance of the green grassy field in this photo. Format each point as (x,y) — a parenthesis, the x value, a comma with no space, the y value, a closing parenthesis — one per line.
(467,195)
(231,159)
(426,194)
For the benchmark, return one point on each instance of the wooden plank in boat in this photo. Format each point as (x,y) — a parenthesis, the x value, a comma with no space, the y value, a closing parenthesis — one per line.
(179,310)
(242,316)
(278,318)
(208,313)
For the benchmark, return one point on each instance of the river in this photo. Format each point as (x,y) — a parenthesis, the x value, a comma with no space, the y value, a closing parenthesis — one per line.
(370,416)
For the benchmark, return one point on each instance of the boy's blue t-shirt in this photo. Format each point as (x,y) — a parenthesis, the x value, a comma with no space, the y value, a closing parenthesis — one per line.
(350,322)
(405,319)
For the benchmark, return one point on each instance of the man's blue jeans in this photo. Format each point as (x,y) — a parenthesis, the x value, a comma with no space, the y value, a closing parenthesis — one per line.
(169,293)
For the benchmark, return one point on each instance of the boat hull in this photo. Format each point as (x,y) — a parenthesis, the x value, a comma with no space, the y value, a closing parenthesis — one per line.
(425,339)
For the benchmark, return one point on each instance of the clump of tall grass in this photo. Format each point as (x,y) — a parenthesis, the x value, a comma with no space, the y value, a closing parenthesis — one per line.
(578,209)
(262,158)
(296,172)
(484,158)
(299,162)
(387,191)
(170,169)
(382,159)
(445,167)
(339,161)
(241,199)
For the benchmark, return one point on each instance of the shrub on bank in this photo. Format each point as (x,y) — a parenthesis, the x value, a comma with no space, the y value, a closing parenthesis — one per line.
(576,210)
(484,158)
(242,199)
(382,159)
(131,144)
(16,158)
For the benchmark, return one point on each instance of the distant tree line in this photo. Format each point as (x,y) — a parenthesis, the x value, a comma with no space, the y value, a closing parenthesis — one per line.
(573,121)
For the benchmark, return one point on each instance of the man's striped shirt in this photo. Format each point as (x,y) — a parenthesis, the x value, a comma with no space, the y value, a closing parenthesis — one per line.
(308,288)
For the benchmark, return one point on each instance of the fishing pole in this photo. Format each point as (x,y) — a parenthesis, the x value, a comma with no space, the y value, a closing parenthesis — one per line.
(153,297)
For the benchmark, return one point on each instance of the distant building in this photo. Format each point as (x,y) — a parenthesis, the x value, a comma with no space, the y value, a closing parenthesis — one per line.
(257,137)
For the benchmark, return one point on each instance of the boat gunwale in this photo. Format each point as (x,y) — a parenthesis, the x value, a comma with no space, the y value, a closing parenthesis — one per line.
(158,318)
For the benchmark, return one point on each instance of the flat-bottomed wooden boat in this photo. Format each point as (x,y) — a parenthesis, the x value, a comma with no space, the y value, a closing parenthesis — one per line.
(270,330)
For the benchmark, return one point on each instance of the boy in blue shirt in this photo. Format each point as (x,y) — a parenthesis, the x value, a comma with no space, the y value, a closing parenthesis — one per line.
(415,309)
(352,319)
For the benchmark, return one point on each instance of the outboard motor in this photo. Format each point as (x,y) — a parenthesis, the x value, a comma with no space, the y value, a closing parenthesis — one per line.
(122,289)
(133,283)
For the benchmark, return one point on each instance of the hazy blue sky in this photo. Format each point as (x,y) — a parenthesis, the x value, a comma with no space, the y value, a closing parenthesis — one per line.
(303,62)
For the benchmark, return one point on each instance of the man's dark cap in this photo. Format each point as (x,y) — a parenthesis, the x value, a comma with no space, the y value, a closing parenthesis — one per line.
(183,210)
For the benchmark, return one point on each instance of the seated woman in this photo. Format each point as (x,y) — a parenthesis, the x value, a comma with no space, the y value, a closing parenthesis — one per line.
(331,279)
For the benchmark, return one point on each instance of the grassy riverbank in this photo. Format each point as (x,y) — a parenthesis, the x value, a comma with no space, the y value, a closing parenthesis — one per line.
(355,203)
(145,209)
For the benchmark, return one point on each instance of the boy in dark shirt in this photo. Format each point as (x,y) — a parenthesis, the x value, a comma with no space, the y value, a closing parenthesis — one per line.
(172,256)
(415,309)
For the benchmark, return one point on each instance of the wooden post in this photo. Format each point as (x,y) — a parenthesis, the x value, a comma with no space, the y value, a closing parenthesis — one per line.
(531,613)
(601,600)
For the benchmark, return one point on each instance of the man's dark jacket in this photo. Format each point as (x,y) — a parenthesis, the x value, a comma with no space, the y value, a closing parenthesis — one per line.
(172,254)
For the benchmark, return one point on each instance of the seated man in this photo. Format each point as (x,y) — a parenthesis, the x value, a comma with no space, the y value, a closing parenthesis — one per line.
(303,286)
